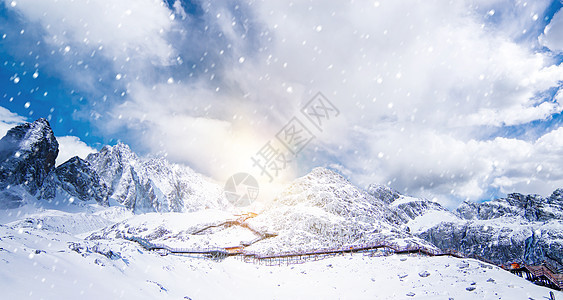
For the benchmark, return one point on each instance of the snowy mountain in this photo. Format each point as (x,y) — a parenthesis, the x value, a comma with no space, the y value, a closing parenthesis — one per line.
(74,220)
(526,228)
(324,210)
(154,184)
(522,228)
(318,211)
(113,176)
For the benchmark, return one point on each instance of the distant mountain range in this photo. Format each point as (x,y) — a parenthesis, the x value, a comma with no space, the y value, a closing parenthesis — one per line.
(321,209)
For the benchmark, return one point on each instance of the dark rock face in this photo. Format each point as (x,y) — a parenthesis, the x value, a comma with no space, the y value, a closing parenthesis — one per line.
(27,169)
(27,155)
(533,208)
(500,245)
(383,193)
(522,228)
(518,228)
(75,178)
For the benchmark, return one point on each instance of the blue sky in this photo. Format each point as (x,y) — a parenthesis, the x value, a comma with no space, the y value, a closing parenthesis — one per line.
(52,94)
(443,100)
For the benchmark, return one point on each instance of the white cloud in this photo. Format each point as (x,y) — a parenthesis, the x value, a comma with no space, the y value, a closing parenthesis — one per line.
(455,76)
(70,146)
(178,9)
(129,35)
(421,83)
(416,82)
(552,36)
(191,125)
(8,120)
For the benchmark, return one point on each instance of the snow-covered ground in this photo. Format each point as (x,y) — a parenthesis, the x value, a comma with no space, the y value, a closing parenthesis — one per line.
(41,264)
(72,219)
(59,250)
(181,230)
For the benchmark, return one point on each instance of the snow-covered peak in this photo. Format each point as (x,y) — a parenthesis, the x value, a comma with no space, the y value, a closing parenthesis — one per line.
(528,207)
(556,196)
(153,184)
(119,153)
(331,192)
(323,209)
(324,174)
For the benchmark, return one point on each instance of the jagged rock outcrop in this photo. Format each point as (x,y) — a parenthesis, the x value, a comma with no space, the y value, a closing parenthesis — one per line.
(407,208)
(383,193)
(530,207)
(411,209)
(75,180)
(27,156)
(523,228)
(502,240)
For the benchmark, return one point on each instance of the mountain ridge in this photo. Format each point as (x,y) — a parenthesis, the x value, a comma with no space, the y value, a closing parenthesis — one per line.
(321,208)
(112,176)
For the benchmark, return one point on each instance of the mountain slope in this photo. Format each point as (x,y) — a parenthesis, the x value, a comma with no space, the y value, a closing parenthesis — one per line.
(524,228)
(324,210)
(51,265)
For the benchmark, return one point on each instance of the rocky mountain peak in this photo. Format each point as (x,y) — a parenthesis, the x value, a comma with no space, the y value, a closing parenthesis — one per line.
(523,201)
(324,174)
(75,179)
(27,155)
(382,192)
(556,196)
(120,153)
(324,209)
